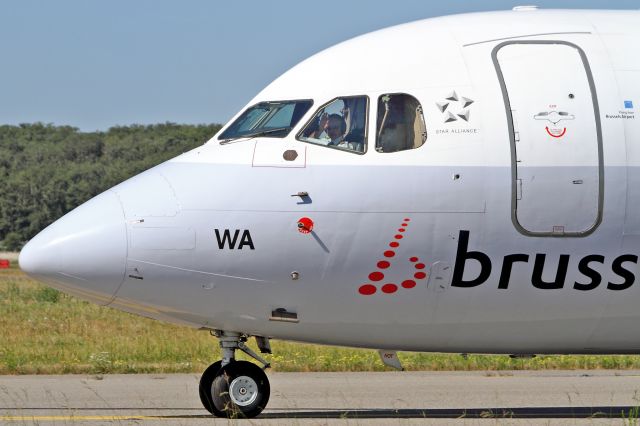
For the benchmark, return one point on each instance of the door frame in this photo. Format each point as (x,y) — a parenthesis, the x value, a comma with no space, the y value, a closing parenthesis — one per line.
(514,176)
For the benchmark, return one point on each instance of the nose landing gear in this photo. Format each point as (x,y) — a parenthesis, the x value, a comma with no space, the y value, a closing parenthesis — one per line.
(235,389)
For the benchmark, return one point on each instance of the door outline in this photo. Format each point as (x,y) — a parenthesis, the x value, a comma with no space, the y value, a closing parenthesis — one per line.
(514,175)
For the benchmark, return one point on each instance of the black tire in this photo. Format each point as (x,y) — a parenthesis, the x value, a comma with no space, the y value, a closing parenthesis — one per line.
(206,388)
(241,390)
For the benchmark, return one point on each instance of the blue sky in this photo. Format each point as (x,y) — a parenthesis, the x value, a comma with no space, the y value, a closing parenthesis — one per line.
(95,64)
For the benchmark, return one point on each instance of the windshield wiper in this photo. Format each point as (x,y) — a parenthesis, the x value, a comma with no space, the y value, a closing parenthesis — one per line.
(248,136)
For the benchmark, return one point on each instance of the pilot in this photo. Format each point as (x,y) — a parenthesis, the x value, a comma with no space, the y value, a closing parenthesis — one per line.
(333,125)
(335,128)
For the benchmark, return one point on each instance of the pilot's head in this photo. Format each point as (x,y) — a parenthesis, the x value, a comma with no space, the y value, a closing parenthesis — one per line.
(336,126)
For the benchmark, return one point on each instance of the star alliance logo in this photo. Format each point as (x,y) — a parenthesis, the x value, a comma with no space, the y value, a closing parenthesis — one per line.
(455,108)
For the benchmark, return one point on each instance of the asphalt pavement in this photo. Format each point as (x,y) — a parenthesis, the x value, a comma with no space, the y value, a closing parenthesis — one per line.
(506,397)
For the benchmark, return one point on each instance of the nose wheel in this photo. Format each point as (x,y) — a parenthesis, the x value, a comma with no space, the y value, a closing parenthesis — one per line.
(234,389)
(206,388)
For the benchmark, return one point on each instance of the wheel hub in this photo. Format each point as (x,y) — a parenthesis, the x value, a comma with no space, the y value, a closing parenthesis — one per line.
(243,391)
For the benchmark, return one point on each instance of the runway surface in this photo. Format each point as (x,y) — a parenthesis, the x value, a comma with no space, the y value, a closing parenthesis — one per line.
(508,397)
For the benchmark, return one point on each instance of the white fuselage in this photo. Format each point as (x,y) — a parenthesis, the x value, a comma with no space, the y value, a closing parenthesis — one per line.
(496,214)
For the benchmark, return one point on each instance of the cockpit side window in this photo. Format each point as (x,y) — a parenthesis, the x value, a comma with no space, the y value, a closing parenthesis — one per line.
(400,124)
(268,119)
(339,124)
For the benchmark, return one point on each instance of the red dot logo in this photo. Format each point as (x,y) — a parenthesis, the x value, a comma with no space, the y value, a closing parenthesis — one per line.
(367,289)
(408,284)
(389,288)
(377,275)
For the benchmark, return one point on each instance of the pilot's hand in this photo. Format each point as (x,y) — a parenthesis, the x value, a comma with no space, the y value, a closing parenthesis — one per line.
(324,122)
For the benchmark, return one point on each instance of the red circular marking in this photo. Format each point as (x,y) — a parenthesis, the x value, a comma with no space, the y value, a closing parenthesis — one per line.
(413,259)
(376,276)
(389,288)
(419,265)
(407,219)
(405,224)
(393,244)
(408,284)
(383,264)
(389,253)
(367,289)
(398,237)
(556,132)
(401,230)
(419,275)
(305,225)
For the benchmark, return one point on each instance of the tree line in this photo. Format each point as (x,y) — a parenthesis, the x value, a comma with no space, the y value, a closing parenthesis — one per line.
(47,170)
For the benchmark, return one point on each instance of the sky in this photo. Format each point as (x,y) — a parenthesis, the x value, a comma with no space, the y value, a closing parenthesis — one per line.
(95,64)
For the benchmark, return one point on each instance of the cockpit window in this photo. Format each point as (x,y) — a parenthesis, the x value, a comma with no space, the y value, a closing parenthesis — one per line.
(268,119)
(341,124)
(400,123)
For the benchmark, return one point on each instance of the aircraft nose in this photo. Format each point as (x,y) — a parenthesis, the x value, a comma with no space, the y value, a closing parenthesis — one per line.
(84,252)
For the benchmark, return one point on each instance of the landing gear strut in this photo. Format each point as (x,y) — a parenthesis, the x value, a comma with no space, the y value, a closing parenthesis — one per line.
(235,389)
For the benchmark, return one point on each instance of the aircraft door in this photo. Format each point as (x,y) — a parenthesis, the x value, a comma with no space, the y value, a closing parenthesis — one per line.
(556,142)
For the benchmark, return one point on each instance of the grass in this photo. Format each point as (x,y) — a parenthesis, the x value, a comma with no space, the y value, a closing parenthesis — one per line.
(631,418)
(43,331)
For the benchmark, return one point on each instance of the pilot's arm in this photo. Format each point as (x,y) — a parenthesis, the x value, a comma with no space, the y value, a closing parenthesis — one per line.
(322,125)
